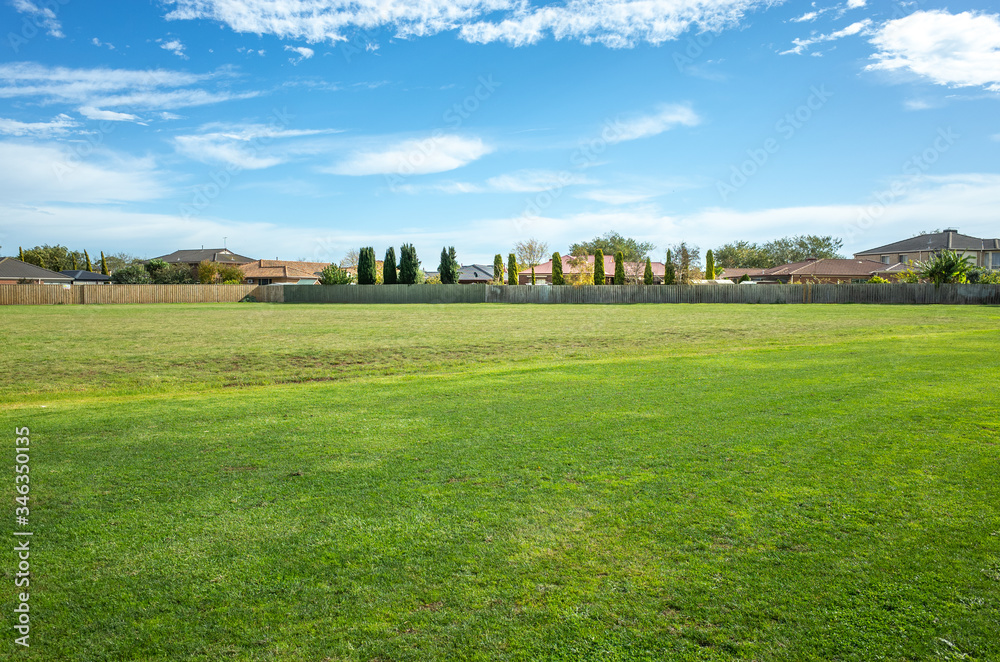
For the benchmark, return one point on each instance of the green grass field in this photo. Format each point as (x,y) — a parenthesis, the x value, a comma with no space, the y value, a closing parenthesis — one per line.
(266,482)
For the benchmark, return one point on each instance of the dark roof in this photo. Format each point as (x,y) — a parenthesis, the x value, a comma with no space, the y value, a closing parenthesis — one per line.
(194,256)
(85,275)
(11,268)
(730,272)
(934,242)
(476,272)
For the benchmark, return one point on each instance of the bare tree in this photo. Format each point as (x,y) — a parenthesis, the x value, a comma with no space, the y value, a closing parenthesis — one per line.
(351,259)
(531,252)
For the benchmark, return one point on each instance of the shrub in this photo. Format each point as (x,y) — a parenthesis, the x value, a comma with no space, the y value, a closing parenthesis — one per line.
(982,275)
(619,268)
(744,278)
(877,279)
(647,276)
(133,274)
(511,270)
(207,271)
(408,264)
(599,267)
(229,273)
(389,276)
(334,275)
(946,267)
(557,272)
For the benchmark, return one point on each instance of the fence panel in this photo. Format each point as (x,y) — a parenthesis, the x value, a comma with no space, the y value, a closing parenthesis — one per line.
(108,294)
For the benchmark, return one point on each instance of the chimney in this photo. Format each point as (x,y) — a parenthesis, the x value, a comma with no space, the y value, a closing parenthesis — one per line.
(951,235)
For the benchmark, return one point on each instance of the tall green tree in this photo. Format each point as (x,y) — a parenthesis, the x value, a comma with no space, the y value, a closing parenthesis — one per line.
(408,264)
(498,269)
(647,275)
(448,269)
(557,270)
(367,266)
(86,256)
(20,254)
(334,275)
(73,262)
(612,242)
(670,270)
(389,267)
(709,265)
(747,255)
(512,269)
(599,267)
(104,265)
(619,268)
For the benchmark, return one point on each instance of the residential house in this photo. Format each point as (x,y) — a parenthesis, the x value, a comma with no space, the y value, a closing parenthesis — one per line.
(815,270)
(475,273)
(735,275)
(274,272)
(986,252)
(13,271)
(86,277)
(194,257)
(633,270)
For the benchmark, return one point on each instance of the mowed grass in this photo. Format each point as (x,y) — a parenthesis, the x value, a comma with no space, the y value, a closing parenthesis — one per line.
(256,482)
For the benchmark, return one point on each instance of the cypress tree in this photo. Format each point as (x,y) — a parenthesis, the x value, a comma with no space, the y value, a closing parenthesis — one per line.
(104,265)
(73,262)
(647,276)
(511,270)
(619,268)
(599,267)
(498,268)
(408,264)
(448,269)
(532,275)
(367,267)
(670,274)
(86,257)
(389,267)
(20,254)
(709,265)
(557,272)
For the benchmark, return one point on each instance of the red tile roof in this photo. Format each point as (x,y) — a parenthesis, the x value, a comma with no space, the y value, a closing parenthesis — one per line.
(276,269)
(826,267)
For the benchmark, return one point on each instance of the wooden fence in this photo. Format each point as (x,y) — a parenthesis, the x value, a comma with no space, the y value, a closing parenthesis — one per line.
(919,293)
(81,294)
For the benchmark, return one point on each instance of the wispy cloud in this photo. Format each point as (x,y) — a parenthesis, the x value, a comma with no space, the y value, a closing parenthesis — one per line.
(44,16)
(644,126)
(60,125)
(246,146)
(438,153)
(957,50)
(161,89)
(613,23)
(174,46)
(303,52)
(801,45)
(92,113)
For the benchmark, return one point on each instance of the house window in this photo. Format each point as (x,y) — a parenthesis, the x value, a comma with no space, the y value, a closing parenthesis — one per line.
(264,281)
(885,259)
(996,261)
(904,258)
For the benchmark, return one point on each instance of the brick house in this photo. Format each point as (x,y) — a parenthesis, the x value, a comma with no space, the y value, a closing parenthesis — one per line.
(543,272)
(986,252)
(270,272)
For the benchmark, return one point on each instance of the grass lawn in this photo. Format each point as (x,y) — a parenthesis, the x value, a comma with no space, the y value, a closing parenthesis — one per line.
(479,482)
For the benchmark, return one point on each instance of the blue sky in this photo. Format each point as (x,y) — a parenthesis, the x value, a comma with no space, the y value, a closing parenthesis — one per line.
(299,129)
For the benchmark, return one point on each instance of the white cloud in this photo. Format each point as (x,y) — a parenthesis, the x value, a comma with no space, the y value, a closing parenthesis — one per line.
(174,46)
(802,45)
(44,17)
(618,196)
(304,53)
(73,173)
(614,23)
(958,50)
(437,153)
(807,17)
(856,4)
(103,88)
(92,113)
(248,146)
(535,181)
(58,126)
(667,117)
(97,42)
